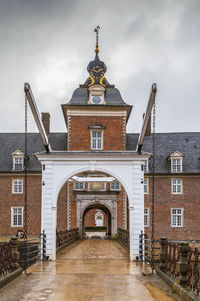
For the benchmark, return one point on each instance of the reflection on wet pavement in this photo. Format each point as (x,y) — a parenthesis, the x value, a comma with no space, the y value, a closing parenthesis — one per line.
(88,270)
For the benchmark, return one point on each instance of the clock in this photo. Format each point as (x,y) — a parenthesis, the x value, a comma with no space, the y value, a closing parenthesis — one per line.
(96,100)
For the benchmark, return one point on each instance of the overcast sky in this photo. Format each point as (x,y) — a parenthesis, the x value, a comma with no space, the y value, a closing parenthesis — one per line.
(49,44)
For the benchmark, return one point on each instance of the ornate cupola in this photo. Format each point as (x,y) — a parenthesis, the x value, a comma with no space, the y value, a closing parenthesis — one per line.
(96,115)
(96,68)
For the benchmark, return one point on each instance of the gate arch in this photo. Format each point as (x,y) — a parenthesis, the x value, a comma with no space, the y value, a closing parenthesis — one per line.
(104,204)
(98,205)
(77,171)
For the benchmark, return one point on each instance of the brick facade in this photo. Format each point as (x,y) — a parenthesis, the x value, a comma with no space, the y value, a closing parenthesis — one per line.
(113,134)
(8,200)
(189,200)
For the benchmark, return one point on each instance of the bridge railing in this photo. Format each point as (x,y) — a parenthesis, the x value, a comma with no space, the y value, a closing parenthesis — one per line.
(149,250)
(123,236)
(5,258)
(66,237)
(181,260)
(20,253)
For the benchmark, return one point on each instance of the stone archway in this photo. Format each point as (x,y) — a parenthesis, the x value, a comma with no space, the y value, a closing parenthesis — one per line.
(109,202)
(109,205)
(126,167)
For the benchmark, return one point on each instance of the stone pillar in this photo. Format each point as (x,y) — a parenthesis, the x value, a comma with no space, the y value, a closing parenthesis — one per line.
(183,263)
(15,254)
(136,208)
(131,234)
(163,254)
(48,220)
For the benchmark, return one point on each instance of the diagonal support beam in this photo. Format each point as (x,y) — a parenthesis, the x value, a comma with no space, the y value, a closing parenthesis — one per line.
(36,115)
(146,117)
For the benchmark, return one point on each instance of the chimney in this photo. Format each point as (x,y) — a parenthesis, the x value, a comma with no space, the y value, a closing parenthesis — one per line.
(46,122)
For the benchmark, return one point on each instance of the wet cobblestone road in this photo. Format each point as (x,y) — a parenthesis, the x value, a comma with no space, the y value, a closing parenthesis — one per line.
(93,269)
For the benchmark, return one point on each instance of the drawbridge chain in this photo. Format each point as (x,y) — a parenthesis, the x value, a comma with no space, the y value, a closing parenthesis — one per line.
(153,187)
(25,187)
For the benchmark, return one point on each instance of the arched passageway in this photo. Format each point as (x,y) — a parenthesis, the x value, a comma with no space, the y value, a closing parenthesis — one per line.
(58,168)
(107,222)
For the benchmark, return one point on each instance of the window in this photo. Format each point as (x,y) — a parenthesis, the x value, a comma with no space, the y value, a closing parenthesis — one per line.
(176,161)
(176,186)
(145,166)
(177,217)
(17,186)
(146,217)
(17,216)
(97,139)
(146,186)
(176,165)
(18,163)
(114,186)
(79,186)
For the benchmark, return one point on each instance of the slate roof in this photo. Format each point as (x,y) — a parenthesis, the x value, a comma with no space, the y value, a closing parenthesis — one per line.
(10,142)
(166,144)
(112,97)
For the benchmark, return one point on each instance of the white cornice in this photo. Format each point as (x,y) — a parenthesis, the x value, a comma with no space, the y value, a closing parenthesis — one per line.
(85,156)
(96,113)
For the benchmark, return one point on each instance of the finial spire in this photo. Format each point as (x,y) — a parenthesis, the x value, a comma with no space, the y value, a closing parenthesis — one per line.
(97,38)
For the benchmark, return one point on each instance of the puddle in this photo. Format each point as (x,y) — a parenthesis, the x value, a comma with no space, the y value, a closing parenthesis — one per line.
(158,293)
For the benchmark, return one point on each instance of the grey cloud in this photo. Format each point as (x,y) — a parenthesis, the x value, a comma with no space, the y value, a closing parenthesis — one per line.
(49,44)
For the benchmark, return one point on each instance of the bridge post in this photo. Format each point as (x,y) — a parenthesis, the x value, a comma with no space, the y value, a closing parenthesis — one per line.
(163,254)
(183,263)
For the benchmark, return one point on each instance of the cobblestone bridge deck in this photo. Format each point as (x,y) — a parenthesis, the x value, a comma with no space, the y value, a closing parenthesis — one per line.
(92,269)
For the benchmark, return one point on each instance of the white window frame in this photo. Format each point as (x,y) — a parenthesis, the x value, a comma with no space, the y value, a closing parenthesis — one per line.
(174,165)
(15,158)
(96,138)
(146,166)
(176,185)
(147,217)
(115,189)
(17,183)
(12,217)
(146,184)
(79,189)
(177,215)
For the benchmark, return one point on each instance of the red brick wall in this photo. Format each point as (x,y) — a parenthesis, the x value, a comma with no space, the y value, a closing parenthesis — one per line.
(8,200)
(62,209)
(113,137)
(73,208)
(165,200)
(120,215)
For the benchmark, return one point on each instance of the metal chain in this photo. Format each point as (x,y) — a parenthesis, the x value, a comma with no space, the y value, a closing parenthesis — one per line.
(25,187)
(153,186)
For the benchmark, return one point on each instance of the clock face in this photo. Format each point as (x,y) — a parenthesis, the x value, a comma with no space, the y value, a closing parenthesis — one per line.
(96,100)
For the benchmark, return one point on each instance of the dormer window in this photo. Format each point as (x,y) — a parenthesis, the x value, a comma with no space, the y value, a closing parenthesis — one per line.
(176,165)
(176,160)
(18,160)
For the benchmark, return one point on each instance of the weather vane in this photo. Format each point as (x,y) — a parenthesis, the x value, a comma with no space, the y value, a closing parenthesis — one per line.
(97,38)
